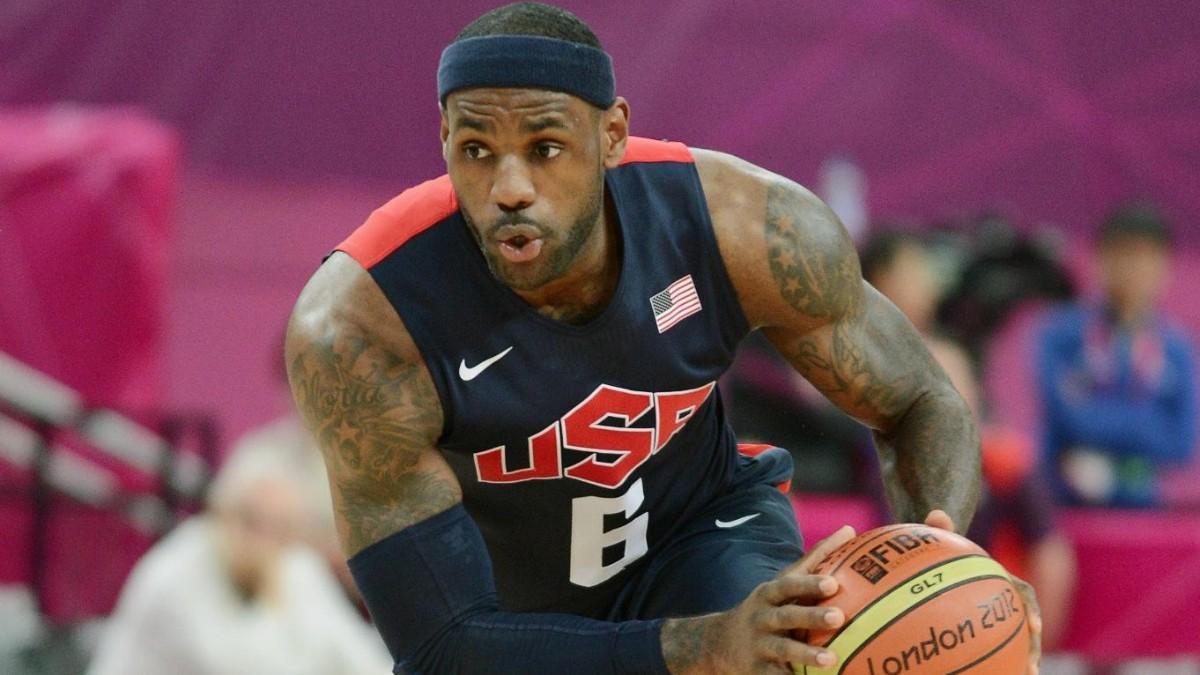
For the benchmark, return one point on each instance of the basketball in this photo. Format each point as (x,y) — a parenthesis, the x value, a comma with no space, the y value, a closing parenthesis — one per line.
(921,601)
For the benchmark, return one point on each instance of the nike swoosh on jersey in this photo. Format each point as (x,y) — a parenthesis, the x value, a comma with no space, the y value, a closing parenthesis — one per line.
(468,373)
(739,521)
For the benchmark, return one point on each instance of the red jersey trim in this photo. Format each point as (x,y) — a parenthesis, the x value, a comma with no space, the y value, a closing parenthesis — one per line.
(410,213)
(648,150)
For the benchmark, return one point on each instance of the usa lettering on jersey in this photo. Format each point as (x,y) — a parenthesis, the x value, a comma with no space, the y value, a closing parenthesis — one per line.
(588,428)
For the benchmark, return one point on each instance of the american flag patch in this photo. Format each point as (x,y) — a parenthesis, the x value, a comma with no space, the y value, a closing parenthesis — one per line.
(675,304)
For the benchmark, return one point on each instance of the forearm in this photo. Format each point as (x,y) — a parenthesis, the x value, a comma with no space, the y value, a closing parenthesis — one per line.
(431,592)
(496,642)
(930,459)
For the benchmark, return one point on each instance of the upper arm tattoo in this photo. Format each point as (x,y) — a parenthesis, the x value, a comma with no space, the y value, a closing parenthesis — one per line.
(830,340)
(376,418)
(816,277)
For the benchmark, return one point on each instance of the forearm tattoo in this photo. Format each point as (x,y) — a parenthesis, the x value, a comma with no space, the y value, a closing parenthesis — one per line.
(931,461)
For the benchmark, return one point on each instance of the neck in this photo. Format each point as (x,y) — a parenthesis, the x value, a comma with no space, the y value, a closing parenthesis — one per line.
(588,286)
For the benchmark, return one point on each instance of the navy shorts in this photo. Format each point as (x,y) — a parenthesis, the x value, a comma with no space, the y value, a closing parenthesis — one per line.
(741,539)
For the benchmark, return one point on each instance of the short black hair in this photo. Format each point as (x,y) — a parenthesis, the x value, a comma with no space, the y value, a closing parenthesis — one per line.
(1135,220)
(879,253)
(531,18)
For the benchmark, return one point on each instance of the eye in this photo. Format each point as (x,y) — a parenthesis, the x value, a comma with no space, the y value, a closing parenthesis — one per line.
(476,151)
(547,150)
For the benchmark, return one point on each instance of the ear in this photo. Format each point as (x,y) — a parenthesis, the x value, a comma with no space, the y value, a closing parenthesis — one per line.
(445,133)
(615,127)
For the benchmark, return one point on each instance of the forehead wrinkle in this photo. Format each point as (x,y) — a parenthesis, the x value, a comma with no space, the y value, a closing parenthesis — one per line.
(486,108)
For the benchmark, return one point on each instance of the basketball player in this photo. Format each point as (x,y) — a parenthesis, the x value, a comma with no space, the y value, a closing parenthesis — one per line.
(511,372)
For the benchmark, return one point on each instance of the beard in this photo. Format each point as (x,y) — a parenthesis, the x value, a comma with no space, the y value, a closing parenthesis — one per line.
(558,257)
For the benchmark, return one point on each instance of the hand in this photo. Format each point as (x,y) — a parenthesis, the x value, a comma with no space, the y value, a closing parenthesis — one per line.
(756,636)
(938,518)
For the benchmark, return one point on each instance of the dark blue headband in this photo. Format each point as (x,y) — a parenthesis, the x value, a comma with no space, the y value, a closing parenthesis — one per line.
(527,61)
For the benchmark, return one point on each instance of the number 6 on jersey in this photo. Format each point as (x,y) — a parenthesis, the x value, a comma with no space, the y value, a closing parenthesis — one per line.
(589,538)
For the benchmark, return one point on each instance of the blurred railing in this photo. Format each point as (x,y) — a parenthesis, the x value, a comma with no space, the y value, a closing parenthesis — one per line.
(64,455)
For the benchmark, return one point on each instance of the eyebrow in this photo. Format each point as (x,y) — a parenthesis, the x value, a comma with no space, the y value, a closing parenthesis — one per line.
(541,124)
(475,123)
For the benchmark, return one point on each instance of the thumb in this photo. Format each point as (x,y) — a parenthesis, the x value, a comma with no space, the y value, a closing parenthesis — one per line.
(823,549)
(940,519)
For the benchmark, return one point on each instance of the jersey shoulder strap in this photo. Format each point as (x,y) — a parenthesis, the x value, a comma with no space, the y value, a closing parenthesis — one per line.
(646,150)
(408,214)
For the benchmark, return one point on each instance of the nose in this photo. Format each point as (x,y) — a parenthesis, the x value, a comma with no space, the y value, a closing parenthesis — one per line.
(513,188)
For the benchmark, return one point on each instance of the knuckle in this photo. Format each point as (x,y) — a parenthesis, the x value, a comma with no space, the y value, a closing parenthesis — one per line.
(807,655)
(777,618)
(793,616)
(811,585)
(811,617)
(784,650)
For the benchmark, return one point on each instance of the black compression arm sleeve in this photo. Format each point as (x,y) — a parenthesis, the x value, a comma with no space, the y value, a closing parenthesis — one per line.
(430,590)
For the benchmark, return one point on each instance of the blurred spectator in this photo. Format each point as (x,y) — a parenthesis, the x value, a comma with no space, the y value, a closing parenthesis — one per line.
(898,265)
(234,591)
(288,437)
(996,269)
(1117,382)
(1014,521)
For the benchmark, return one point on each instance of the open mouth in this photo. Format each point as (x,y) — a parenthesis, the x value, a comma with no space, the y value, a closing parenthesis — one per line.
(519,243)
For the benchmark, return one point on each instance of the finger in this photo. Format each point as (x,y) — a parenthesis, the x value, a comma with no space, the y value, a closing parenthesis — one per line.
(782,650)
(823,548)
(798,617)
(1035,642)
(792,587)
(1034,612)
(940,519)
(1034,617)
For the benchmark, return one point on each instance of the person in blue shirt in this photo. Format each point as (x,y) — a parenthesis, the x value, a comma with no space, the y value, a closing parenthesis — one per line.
(1116,380)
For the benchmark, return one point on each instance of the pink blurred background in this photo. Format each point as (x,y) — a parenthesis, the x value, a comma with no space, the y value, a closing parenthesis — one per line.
(239,141)
(294,125)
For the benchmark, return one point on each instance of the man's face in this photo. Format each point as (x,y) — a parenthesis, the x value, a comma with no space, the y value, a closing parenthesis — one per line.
(257,527)
(528,169)
(1134,271)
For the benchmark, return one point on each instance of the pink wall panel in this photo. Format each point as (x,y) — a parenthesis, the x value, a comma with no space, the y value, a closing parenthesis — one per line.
(1052,111)
(245,248)
(85,207)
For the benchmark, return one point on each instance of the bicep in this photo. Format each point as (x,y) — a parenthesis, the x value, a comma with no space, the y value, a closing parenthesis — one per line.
(833,327)
(371,405)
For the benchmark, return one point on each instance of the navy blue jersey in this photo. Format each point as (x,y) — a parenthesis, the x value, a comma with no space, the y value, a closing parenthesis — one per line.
(580,448)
